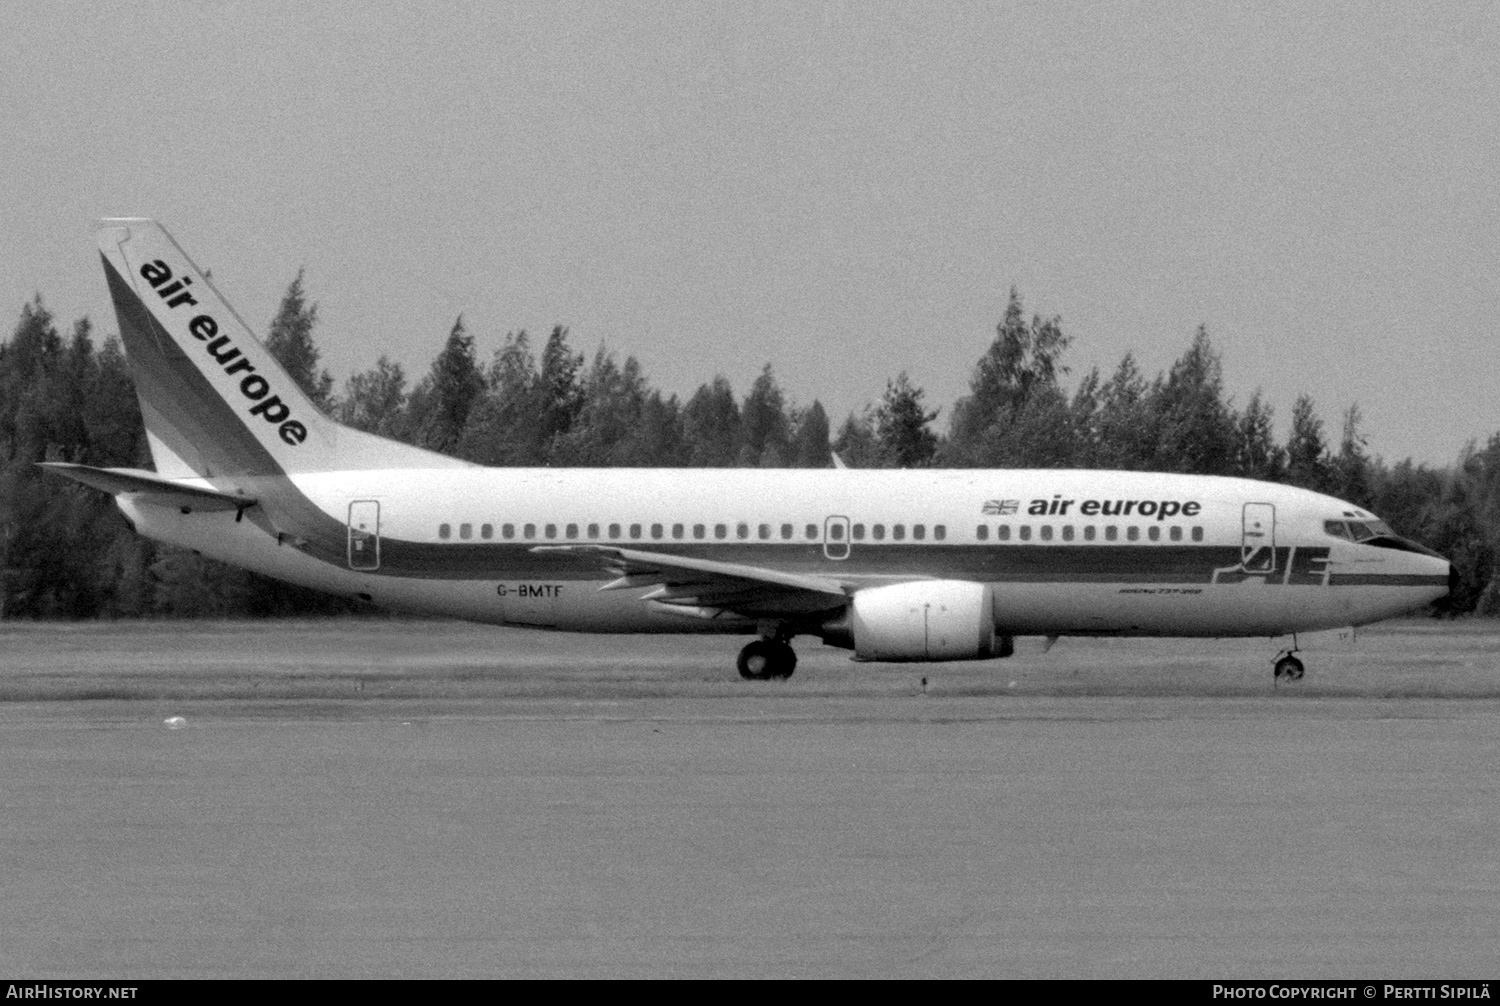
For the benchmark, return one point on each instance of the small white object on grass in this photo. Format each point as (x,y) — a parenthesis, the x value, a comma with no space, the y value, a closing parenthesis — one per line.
(174,722)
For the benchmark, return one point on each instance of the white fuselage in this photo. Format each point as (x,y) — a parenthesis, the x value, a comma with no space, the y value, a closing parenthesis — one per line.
(1065,552)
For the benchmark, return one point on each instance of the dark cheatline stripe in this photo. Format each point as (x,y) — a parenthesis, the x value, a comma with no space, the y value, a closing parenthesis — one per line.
(990,563)
(1387,580)
(1124,564)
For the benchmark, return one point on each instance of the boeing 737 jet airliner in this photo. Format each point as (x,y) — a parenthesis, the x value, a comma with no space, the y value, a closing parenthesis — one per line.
(893,565)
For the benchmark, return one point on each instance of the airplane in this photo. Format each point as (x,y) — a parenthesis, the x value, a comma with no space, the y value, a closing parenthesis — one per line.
(907,565)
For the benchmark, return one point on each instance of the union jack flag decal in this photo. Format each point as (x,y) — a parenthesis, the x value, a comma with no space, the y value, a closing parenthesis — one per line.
(1000,508)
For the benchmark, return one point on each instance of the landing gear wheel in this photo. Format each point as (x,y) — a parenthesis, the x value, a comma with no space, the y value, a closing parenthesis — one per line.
(766,660)
(1288,667)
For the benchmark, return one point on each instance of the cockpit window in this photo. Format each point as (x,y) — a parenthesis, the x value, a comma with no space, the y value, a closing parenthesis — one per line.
(1358,530)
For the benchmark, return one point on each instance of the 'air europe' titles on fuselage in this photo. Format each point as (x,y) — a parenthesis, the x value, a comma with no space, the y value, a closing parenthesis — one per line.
(206,330)
(1059,507)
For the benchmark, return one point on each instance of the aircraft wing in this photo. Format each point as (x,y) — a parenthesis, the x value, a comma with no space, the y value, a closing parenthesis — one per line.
(706,588)
(150,485)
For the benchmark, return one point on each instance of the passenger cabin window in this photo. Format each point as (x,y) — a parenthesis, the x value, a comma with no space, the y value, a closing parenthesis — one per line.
(445,531)
(486,531)
(836,532)
(1067,532)
(635,530)
(1197,534)
(982,532)
(1176,533)
(700,531)
(898,532)
(507,530)
(918,531)
(721,530)
(572,531)
(765,531)
(786,532)
(1133,533)
(657,530)
(614,531)
(529,531)
(466,531)
(939,531)
(878,532)
(742,530)
(812,532)
(678,530)
(551,530)
(1111,533)
(1046,532)
(1088,532)
(857,532)
(593,530)
(1154,532)
(1003,532)
(1025,532)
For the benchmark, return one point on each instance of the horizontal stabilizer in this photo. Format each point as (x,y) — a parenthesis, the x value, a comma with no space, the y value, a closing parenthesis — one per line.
(149,485)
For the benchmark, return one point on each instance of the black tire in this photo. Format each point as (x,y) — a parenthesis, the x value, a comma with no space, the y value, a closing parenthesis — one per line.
(785,662)
(755,660)
(766,660)
(1289,667)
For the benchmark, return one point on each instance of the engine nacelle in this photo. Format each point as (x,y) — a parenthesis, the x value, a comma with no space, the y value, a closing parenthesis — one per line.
(925,620)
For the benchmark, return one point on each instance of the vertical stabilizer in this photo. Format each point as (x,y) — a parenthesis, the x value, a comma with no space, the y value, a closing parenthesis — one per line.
(215,402)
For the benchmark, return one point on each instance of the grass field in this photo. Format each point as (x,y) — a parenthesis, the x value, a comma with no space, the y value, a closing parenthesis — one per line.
(386,798)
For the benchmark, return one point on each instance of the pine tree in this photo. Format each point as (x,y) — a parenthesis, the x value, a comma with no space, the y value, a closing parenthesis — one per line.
(1351,468)
(1125,424)
(763,424)
(1306,451)
(503,427)
(441,403)
(901,434)
(607,426)
(1195,428)
(711,426)
(855,444)
(1015,414)
(290,341)
(374,401)
(1257,455)
(810,447)
(559,394)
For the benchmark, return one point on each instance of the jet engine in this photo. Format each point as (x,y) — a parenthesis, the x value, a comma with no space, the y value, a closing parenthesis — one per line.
(924,620)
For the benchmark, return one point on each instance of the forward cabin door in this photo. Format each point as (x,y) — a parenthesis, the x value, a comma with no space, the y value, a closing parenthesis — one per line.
(364,534)
(1258,541)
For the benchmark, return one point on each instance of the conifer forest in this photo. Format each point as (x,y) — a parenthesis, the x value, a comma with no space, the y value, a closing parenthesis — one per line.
(67,395)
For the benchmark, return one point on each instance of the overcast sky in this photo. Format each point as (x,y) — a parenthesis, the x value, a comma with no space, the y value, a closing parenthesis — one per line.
(844,191)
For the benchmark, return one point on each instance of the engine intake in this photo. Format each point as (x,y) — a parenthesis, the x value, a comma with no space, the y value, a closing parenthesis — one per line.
(928,620)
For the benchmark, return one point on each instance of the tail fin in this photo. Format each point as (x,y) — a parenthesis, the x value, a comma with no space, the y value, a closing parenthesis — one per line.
(215,403)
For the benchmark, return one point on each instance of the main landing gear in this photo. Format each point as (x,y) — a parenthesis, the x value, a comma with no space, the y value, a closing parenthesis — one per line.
(767,659)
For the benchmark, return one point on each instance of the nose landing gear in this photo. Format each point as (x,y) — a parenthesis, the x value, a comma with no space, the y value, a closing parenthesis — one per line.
(1287,666)
(767,660)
